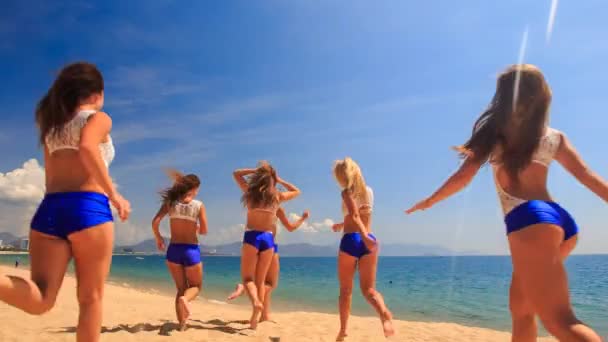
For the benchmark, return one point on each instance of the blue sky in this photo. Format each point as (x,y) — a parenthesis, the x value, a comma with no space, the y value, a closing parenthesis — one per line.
(208,87)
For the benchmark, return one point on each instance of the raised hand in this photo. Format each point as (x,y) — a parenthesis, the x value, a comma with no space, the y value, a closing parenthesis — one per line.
(337,227)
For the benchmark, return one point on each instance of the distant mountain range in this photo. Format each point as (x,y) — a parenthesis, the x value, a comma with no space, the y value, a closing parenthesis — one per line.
(297,249)
(304,249)
(9,239)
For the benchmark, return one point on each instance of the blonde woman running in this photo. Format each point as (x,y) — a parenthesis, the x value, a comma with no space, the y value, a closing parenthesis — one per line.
(359,247)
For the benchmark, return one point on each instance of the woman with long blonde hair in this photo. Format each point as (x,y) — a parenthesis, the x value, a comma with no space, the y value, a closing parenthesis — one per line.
(358,247)
(513,135)
(262,200)
(187,219)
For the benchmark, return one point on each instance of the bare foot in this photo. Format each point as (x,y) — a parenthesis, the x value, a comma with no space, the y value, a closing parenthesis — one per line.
(184,307)
(266,318)
(341,336)
(257,309)
(237,292)
(387,325)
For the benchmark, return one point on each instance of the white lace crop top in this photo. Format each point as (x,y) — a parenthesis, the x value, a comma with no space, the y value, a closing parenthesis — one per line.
(365,207)
(186,211)
(544,155)
(69,137)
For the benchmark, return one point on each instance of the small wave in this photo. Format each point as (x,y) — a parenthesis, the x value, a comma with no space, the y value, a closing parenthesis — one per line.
(213,301)
(139,258)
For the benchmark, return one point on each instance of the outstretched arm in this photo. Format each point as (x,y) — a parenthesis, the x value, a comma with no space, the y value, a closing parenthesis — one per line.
(291,193)
(569,158)
(458,181)
(202,218)
(288,225)
(239,177)
(160,241)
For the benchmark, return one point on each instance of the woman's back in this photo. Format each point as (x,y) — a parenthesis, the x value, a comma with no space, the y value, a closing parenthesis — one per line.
(184,221)
(531,183)
(63,164)
(365,208)
(262,218)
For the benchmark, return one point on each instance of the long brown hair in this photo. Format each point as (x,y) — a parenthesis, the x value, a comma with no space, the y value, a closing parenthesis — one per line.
(515,120)
(76,82)
(182,184)
(261,191)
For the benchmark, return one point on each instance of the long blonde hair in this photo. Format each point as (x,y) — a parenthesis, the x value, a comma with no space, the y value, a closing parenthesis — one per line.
(348,175)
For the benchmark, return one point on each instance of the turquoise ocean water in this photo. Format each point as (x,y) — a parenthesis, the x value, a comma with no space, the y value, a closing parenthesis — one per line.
(465,290)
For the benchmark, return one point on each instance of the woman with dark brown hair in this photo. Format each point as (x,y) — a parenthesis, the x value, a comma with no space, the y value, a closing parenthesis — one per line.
(74,218)
(187,219)
(262,200)
(514,137)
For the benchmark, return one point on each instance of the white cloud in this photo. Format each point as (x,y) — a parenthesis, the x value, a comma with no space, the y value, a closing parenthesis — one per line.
(20,191)
(327,223)
(312,227)
(316,233)
(130,233)
(23,185)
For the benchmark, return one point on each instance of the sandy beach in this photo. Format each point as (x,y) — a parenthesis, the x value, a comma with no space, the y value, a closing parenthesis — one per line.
(133,315)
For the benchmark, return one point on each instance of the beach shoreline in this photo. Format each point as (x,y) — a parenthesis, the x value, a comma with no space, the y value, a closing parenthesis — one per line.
(134,315)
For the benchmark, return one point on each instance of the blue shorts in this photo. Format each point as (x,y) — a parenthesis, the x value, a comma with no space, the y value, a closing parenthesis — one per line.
(63,213)
(276,248)
(259,239)
(184,254)
(535,212)
(353,245)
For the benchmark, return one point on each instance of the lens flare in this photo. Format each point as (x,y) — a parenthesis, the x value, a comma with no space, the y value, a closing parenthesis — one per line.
(551,21)
(520,61)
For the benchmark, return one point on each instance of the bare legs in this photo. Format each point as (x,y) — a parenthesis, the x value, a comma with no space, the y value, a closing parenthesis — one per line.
(254,267)
(541,284)
(367,278)
(346,273)
(238,291)
(49,258)
(92,250)
(271,282)
(522,313)
(188,281)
